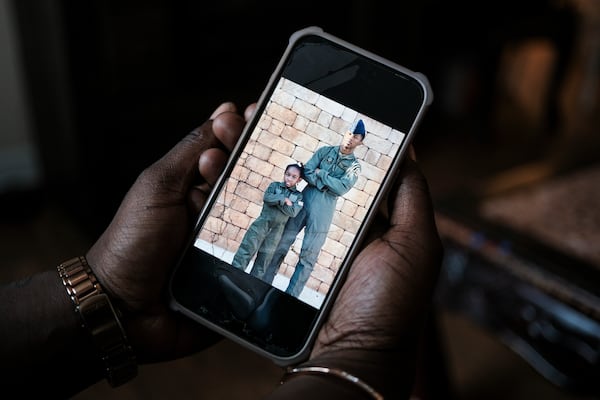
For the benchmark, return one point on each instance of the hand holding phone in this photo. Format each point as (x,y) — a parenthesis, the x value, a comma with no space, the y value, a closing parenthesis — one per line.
(261,271)
(376,322)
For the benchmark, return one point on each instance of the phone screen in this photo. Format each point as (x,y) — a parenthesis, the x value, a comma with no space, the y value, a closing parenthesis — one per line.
(286,218)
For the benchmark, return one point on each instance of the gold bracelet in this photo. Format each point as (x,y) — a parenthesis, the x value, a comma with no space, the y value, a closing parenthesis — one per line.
(337,373)
(100,318)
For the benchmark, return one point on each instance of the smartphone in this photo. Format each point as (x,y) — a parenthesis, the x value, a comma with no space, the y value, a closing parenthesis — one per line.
(273,243)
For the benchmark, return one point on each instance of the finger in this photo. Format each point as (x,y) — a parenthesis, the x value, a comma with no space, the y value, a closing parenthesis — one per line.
(249,111)
(413,231)
(224,107)
(211,163)
(412,153)
(180,163)
(197,197)
(227,128)
(412,204)
(182,160)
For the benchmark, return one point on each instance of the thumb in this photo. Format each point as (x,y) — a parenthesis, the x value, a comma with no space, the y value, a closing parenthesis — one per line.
(200,155)
(413,228)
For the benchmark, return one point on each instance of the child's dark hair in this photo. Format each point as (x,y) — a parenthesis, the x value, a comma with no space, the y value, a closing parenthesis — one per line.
(297,165)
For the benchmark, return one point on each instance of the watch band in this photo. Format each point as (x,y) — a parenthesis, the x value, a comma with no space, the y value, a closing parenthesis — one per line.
(100,318)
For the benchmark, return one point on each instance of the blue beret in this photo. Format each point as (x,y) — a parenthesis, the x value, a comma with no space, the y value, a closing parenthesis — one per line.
(358,128)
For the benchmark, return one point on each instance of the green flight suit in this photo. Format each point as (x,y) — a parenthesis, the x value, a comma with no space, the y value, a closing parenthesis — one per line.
(262,236)
(337,175)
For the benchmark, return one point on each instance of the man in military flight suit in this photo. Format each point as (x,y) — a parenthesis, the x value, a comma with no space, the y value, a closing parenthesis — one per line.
(281,201)
(331,172)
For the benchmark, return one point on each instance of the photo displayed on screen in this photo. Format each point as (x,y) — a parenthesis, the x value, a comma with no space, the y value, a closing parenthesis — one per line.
(301,188)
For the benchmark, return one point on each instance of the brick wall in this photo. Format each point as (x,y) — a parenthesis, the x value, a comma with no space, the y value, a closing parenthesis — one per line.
(295,124)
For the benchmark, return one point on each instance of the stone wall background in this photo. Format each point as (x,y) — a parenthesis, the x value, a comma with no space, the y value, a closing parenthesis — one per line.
(296,122)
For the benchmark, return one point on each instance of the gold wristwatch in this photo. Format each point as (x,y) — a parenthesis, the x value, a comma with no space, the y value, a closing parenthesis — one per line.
(101,319)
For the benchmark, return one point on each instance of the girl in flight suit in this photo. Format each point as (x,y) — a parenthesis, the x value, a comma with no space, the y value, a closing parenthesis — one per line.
(281,201)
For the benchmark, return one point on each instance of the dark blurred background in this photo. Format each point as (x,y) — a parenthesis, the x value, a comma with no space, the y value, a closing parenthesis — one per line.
(92,92)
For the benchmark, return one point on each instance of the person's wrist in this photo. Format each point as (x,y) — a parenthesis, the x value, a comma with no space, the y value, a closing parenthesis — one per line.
(316,387)
(43,345)
(388,372)
(77,355)
(101,320)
